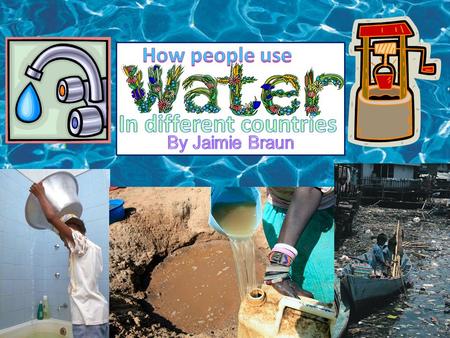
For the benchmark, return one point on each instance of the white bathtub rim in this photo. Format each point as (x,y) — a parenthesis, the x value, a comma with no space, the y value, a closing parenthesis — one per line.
(35,322)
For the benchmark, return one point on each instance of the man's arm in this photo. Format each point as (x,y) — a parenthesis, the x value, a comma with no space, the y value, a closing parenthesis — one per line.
(37,189)
(305,202)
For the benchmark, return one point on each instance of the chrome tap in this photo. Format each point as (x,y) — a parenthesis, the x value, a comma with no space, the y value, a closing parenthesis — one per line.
(75,54)
(83,121)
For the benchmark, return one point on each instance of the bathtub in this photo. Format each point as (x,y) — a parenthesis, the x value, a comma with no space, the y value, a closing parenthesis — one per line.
(47,328)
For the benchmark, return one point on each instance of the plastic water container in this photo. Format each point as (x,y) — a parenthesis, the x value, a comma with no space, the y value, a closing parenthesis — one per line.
(61,189)
(235,195)
(116,210)
(267,313)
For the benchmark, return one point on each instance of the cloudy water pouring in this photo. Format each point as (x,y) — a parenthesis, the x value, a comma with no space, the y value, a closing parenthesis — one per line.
(236,213)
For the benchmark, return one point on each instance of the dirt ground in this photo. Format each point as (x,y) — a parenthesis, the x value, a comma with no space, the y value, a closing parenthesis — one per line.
(156,268)
(425,307)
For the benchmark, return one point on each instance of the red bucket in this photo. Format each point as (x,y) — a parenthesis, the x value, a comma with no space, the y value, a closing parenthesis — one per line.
(384,80)
(384,76)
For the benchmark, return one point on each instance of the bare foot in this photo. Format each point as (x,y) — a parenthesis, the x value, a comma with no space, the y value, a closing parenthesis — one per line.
(290,289)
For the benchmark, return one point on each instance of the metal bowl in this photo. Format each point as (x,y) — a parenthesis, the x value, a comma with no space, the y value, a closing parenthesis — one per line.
(61,189)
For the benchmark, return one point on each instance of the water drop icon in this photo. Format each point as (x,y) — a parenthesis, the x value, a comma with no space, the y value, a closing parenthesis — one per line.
(28,107)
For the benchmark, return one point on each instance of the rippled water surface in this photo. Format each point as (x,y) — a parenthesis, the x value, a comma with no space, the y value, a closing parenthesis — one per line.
(218,20)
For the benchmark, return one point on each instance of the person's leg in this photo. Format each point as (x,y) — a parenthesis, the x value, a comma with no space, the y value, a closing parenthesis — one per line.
(313,269)
(97,331)
(273,220)
(304,203)
(79,331)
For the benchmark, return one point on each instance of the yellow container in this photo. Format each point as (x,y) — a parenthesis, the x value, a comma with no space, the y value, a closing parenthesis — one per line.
(267,313)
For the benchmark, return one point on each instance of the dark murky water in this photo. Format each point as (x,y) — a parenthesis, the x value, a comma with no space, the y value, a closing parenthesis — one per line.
(425,309)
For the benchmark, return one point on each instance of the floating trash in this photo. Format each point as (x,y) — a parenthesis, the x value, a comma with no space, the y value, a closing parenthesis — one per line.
(430,298)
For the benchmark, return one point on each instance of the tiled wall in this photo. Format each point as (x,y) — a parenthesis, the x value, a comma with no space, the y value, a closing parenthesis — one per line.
(16,247)
(29,258)
(48,260)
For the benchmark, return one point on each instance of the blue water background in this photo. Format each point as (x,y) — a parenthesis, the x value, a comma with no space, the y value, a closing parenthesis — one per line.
(225,21)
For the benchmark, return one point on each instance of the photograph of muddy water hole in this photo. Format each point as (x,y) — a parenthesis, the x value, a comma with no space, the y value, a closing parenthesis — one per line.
(409,203)
(171,273)
(174,254)
(193,261)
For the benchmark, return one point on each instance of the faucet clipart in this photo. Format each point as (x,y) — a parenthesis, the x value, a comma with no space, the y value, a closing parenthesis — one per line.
(84,121)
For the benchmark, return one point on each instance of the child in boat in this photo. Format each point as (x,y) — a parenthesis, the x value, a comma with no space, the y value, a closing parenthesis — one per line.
(88,307)
(299,227)
(378,259)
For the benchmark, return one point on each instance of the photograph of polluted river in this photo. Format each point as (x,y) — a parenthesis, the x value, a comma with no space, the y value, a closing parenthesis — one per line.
(392,255)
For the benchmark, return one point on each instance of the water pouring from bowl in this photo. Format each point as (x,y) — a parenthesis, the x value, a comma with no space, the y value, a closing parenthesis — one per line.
(236,213)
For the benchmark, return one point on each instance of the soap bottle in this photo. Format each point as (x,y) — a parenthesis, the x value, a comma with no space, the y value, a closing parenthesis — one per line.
(45,308)
(40,313)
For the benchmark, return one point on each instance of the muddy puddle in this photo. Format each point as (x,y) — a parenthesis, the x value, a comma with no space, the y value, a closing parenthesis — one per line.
(196,287)
(424,310)
(171,275)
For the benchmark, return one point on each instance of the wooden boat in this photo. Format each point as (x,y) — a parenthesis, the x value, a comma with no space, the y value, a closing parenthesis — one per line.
(364,293)
(343,312)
